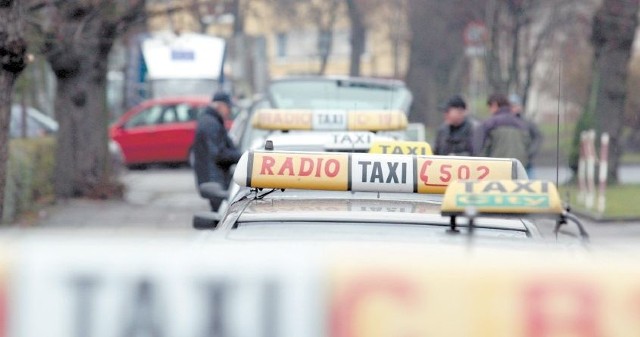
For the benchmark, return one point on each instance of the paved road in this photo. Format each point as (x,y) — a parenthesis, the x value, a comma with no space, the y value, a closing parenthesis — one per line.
(156,199)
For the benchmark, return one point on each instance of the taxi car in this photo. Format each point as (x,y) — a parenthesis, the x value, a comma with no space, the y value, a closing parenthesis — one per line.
(357,131)
(328,93)
(346,195)
(159,130)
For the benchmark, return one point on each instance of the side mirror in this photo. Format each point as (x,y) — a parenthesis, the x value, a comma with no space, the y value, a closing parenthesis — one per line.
(206,220)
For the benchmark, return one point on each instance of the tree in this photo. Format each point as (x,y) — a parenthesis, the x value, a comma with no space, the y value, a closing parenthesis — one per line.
(13,59)
(613,32)
(78,37)
(437,52)
(358,37)
(520,32)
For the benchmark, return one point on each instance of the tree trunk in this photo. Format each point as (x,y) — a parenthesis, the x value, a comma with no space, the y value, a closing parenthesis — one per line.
(358,37)
(82,165)
(614,30)
(13,49)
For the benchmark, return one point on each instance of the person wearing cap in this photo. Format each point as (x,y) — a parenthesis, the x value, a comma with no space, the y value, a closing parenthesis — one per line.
(534,132)
(459,134)
(214,151)
(504,134)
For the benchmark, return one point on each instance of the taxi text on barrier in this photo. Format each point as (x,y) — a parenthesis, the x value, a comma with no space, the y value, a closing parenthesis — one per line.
(366,172)
(502,196)
(329,120)
(401,147)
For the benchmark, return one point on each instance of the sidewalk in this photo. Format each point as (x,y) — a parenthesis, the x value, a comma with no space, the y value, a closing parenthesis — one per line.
(156,199)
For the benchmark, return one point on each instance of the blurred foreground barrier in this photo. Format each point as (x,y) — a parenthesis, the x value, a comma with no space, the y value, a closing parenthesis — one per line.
(30,175)
(104,287)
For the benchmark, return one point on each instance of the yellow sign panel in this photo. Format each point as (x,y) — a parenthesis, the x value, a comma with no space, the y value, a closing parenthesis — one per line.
(313,171)
(273,119)
(436,173)
(503,196)
(485,301)
(401,147)
(364,172)
(329,120)
(382,120)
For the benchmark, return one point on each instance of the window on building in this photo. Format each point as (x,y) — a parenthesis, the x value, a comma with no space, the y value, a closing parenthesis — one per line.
(281,43)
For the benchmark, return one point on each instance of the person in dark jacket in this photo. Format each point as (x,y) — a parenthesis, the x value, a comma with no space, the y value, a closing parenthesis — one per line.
(214,152)
(504,134)
(534,132)
(459,134)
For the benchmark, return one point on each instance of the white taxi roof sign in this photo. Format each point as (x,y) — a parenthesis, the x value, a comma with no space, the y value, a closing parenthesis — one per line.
(502,197)
(365,172)
(329,120)
(401,147)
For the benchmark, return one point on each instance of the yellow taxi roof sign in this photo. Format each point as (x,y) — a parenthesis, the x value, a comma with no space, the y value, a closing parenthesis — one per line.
(329,120)
(365,172)
(401,147)
(502,197)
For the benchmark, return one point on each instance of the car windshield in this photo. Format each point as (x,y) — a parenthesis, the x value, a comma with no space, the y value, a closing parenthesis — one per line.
(338,94)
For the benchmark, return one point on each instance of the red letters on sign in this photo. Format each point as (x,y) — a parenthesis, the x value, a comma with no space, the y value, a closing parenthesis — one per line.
(573,313)
(450,172)
(445,173)
(345,306)
(267,164)
(306,167)
(332,168)
(287,166)
(301,167)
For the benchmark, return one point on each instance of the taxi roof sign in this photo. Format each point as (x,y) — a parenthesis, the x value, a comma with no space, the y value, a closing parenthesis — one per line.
(401,147)
(365,172)
(502,197)
(329,120)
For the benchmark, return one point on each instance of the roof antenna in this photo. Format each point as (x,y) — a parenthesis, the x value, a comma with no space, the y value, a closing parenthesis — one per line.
(558,122)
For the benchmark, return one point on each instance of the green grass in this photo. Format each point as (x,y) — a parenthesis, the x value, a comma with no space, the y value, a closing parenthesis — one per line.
(622,201)
(630,158)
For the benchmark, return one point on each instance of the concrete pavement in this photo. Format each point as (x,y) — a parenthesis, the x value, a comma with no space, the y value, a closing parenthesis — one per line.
(156,199)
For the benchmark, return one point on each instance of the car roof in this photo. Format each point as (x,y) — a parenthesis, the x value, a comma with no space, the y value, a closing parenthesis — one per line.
(360,207)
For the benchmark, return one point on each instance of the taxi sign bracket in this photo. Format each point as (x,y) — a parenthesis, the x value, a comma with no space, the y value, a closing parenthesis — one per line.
(564,219)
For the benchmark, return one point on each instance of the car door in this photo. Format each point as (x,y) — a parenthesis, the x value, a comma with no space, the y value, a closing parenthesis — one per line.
(175,132)
(136,136)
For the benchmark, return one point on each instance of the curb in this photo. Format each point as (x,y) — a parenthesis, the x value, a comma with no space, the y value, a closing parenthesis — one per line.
(601,219)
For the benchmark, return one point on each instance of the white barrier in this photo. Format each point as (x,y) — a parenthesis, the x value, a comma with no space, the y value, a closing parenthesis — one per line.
(603,171)
(587,162)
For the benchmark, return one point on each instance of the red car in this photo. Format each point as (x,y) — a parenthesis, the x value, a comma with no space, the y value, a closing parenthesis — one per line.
(159,130)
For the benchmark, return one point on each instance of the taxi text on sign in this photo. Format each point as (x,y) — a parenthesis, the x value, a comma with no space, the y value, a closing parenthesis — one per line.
(506,196)
(401,147)
(364,172)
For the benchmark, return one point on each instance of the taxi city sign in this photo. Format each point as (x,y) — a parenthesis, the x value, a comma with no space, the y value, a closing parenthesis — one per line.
(365,172)
(401,147)
(502,197)
(329,120)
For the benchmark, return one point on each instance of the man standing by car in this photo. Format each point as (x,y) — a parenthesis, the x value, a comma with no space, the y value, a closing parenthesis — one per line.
(459,134)
(214,152)
(505,135)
